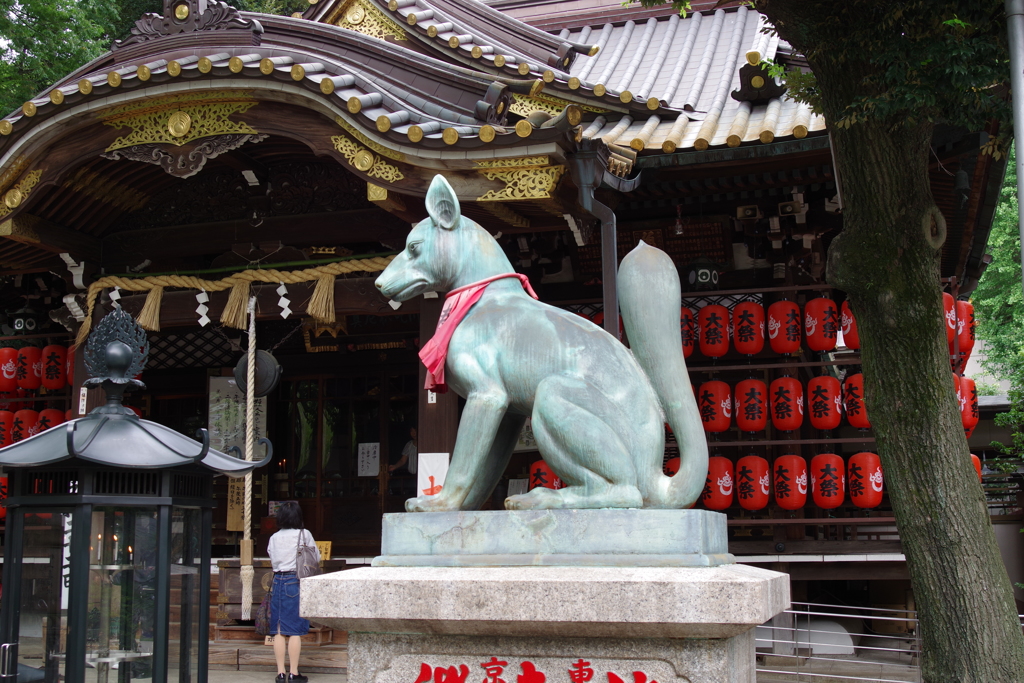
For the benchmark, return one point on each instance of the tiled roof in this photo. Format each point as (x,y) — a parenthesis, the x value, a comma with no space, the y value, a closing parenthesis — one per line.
(689,64)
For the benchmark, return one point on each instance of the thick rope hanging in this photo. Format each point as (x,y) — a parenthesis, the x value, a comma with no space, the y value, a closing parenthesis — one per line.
(321,305)
(247,572)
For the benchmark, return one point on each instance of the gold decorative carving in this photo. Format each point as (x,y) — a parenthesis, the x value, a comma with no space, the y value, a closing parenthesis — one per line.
(6,128)
(13,171)
(57,96)
(514,162)
(376,147)
(363,17)
(180,119)
(20,192)
(523,105)
(85,86)
(527,183)
(313,330)
(376,193)
(181,12)
(366,161)
(105,190)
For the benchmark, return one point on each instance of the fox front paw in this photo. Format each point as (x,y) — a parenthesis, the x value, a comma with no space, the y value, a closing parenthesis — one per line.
(429,504)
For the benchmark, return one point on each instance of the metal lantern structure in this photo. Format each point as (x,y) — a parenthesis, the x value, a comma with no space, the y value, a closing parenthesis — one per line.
(106,572)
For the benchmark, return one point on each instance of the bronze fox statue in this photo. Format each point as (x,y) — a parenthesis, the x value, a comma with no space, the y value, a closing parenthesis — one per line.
(597,407)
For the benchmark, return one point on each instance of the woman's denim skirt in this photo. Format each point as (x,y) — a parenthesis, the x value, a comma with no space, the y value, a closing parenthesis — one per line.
(284,607)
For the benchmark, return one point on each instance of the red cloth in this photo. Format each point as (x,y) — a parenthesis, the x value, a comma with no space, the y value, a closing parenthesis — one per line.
(456,305)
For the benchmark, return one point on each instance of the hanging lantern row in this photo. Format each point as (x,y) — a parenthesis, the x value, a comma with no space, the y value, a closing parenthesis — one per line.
(751,481)
(961,327)
(753,402)
(967,397)
(31,367)
(18,425)
(542,475)
(713,327)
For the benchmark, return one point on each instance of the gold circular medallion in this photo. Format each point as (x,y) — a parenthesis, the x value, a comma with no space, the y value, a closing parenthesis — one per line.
(327,86)
(594,50)
(487,133)
(574,83)
(355,14)
(266,66)
(653,103)
(179,124)
(450,136)
(363,160)
(600,90)
(574,114)
(393,5)
(501,107)
(565,62)
(354,105)
(453,42)
(235,65)
(296,15)
(477,52)
(410,19)
(144,73)
(799,131)
(757,82)
(499,60)
(548,76)
(5,127)
(181,12)
(625,97)
(205,65)
(113,79)
(524,128)
(298,72)
(766,136)
(524,69)
(668,147)
(312,2)
(383,123)
(415,133)
(174,68)
(85,86)
(28,109)
(13,198)
(57,96)
(638,144)
(432,31)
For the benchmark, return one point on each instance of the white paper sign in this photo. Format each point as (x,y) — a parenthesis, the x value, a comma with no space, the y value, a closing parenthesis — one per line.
(430,473)
(369,460)
(227,416)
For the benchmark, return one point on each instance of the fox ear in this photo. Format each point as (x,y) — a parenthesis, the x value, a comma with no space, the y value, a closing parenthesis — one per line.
(442,204)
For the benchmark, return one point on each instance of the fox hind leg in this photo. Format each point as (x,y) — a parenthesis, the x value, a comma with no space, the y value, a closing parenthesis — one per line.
(578,443)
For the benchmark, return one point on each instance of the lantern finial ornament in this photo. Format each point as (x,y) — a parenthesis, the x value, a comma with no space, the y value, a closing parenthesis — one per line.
(116,353)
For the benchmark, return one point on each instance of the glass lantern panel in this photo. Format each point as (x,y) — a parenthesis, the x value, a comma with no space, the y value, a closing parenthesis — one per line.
(45,575)
(186,605)
(122,595)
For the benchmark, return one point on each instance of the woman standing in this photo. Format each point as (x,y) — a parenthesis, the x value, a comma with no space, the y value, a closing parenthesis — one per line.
(285,622)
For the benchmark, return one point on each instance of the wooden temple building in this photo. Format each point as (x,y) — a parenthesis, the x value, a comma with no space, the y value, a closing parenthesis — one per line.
(214,152)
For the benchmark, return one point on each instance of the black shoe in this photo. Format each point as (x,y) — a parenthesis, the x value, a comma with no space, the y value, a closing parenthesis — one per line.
(297,678)
(281,678)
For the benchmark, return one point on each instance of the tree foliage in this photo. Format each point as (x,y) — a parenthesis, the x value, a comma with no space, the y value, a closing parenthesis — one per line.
(42,41)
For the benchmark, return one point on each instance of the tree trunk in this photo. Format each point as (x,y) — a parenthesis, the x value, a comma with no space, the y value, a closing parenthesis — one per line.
(887,259)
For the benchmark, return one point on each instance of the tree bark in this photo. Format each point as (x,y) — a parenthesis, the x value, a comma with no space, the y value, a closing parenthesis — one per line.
(887,260)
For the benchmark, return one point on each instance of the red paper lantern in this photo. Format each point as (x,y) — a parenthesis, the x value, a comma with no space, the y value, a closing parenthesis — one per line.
(8,369)
(6,428)
(976,461)
(966,326)
(828,480)
(853,398)
(541,475)
(786,396)
(968,397)
(824,402)
(25,425)
(715,404)
(54,366)
(790,482)
(713,324)
(850,335)
(718,487)
(688,330)
(865,472)
(51,417)
(821,324)
(784,327)
(949,315)
(3,498)
(69,414)
(752,482)
(671,467)
(751,400)
(748,327)
(69,366)
(30,367)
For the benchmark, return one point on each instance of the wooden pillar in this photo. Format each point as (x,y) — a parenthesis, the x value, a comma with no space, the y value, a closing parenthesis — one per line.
(438,422)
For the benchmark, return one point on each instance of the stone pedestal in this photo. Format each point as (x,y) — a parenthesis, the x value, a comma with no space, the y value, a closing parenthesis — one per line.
(539,623)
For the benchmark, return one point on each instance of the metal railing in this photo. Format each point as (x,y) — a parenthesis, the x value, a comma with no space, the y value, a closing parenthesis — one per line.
(820,643)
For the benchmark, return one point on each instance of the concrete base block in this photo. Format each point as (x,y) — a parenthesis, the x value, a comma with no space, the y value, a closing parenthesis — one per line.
(397,658)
